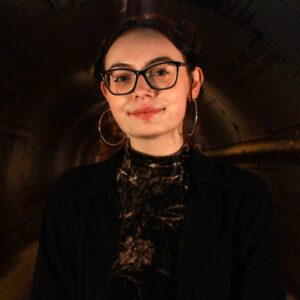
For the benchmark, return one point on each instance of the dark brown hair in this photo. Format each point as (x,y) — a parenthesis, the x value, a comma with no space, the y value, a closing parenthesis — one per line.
(183,35)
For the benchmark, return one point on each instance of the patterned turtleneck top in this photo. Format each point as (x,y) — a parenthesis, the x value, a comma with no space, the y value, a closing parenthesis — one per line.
(151,206)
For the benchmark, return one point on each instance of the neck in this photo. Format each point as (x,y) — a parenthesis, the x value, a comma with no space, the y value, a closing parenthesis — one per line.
(158,146)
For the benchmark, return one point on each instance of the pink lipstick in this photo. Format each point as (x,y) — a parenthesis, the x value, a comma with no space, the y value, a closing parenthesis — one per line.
(146,113)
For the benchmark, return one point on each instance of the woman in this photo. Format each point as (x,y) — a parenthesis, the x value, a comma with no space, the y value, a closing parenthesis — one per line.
(157,219)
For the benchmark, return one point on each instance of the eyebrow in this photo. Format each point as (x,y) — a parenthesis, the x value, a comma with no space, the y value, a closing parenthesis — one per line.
(150,62)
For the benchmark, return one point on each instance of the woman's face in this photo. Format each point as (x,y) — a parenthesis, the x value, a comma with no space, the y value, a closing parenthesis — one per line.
(147,113)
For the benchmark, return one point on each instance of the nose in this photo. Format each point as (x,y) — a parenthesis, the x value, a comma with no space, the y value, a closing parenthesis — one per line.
(142,87)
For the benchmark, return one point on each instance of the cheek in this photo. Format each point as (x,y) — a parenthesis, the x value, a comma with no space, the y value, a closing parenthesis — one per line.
(181,109)
(113,108)
(179,105)
(115,105)
(118,111)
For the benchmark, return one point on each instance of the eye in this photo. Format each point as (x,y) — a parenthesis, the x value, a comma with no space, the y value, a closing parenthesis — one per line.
(159,72)
(121,78)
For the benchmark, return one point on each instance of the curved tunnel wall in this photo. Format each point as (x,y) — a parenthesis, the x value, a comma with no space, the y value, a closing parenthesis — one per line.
(250,113)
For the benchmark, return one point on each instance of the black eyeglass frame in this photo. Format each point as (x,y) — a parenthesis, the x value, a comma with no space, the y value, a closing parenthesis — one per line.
(143,72)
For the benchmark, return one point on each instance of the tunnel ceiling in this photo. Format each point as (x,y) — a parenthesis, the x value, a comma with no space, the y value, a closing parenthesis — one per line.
(250,58)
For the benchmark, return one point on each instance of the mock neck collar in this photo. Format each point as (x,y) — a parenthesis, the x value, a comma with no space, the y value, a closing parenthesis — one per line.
(150,161)
(202,169)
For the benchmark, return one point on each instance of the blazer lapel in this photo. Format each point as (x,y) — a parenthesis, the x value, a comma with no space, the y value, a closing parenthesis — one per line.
(192,246)
(203,226)
(99,225)
(101,241)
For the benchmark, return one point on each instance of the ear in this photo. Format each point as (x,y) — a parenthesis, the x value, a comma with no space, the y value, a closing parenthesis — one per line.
(103,88)
(197,80)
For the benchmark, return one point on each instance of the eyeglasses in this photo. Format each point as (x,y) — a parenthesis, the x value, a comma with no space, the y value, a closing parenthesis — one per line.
(160,76)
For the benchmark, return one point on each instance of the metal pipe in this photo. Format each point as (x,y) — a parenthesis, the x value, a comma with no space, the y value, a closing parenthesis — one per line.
(257,147)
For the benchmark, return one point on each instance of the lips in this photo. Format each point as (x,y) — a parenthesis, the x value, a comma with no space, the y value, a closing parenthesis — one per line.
(146,113)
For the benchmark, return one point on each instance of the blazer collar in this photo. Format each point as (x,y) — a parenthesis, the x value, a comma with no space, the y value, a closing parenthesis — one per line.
(207,170)
(102,179)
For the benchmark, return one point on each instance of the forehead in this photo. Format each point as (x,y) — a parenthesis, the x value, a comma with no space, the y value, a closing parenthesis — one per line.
(139,46)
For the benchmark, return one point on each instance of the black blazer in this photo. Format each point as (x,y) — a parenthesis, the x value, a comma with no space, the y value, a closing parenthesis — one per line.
(229,246)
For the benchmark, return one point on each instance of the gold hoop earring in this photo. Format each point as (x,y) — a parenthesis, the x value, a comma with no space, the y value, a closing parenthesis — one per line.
(100,131)
(195,119)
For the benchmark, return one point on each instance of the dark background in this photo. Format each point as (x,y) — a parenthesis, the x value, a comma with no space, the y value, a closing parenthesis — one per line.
(49,107)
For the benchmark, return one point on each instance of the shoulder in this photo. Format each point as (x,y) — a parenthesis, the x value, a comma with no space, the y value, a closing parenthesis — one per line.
(223,174)
(78,174)
(245,192)
(87,179)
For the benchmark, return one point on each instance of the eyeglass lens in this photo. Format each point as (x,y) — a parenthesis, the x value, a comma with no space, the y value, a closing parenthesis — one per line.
(160,76)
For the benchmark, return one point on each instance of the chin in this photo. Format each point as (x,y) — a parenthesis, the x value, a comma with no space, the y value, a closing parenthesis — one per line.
(145,135)
(150,134)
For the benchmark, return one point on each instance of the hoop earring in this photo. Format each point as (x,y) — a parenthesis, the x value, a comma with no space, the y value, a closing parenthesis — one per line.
(195,119)
(100,131)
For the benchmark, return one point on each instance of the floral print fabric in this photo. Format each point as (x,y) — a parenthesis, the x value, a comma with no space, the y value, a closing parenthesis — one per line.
(151,206)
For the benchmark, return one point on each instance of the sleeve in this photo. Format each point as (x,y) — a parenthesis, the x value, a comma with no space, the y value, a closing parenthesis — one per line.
(50,280)
(259,275)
